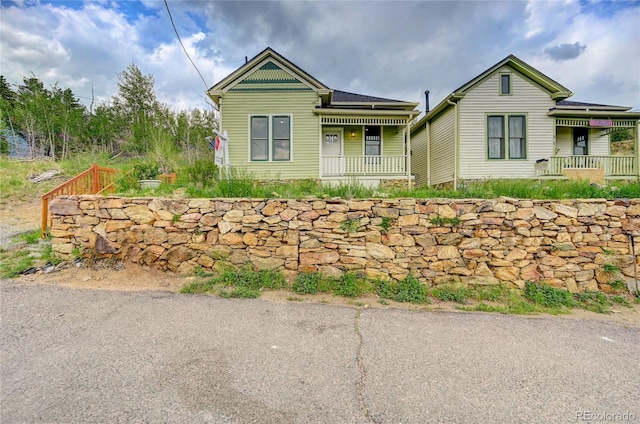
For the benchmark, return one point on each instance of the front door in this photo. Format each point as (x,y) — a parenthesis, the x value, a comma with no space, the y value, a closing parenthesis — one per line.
(580,141)
(332,158)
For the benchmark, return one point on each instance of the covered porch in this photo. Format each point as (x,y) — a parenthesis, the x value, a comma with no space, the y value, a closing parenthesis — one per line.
(583,141)
(367,146)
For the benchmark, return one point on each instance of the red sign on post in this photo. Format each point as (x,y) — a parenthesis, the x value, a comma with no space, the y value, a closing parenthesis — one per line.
(600,123)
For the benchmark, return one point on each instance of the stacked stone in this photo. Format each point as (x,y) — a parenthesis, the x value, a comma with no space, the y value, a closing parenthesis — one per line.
(471,241)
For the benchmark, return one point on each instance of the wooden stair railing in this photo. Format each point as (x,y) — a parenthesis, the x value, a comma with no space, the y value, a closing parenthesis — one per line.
(94,180)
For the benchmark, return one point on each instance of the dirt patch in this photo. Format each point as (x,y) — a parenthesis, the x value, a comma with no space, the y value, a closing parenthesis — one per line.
(24,217)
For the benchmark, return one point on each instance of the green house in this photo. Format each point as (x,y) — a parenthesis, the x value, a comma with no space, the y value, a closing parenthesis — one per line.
(283,123)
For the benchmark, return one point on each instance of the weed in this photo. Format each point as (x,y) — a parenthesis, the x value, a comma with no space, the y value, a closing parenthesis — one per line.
(385,289)
(306,283)
(295,299)
(618,284)
(442,221)
(547,296)
(621,301)
(49,256)
(197,287)
(175,218)
(593,301)
(240,293)
(30,237)
(14,263)
(451,293)
(76,253)
(201,272)
(383,302)
(611,269)
(350,225)
(607,252)
(492,294)
(352,285)
(386,222)
(409,289)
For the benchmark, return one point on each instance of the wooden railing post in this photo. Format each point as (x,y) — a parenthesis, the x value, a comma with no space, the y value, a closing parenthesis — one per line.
(45,215)
(96,181)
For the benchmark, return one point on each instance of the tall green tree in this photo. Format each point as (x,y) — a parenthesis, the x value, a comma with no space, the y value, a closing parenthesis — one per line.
(136,100)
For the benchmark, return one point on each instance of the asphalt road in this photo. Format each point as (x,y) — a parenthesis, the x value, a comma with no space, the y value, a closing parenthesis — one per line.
(88,356)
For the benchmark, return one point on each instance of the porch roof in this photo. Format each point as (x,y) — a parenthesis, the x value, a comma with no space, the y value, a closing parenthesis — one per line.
(599,114)
(365,117)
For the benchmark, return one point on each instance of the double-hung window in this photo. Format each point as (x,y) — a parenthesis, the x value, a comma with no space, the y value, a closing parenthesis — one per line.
(495,133)
(506,137)
(270,138)
(505,84)
(372,144)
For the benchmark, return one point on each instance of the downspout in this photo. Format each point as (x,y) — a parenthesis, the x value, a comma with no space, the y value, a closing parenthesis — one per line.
(408,154)
(427,128)
(637,139)
(455,144)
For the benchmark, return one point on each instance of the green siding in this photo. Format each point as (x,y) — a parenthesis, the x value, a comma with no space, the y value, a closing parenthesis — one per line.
(392,141)
(236,110)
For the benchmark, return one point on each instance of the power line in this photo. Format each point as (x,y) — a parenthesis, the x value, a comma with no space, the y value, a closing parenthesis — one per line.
(183,48)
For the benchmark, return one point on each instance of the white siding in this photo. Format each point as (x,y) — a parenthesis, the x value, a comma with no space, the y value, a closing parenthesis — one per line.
(598,142)
(527,99)
(564,141)
(442,158)
(419,157)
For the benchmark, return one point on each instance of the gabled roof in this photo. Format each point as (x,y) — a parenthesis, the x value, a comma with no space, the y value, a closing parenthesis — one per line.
(282,71)
(555,89)
(269,70)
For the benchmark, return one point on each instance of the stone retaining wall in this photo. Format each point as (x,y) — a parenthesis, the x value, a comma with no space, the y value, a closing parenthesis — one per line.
(559,243)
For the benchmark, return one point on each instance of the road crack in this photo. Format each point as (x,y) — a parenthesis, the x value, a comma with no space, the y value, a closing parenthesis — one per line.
(360,383)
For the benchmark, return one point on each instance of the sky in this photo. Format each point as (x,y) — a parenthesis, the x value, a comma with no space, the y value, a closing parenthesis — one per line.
(389,49)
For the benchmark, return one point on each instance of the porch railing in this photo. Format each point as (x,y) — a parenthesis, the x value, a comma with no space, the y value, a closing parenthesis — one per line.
(364,165)
(96,179)
(612,165)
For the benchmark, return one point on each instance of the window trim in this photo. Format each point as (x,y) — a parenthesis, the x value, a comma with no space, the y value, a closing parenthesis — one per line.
(270,137)
(501,84)
(524,135)
(506,136)
(364,140)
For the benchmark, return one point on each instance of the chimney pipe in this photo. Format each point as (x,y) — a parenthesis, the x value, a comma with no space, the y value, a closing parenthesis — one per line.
(426,99)
(246,59)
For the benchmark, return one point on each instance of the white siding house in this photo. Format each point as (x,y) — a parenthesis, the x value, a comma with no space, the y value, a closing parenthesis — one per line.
(512,121)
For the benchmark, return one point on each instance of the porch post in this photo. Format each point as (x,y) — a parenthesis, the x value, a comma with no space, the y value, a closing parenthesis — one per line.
(635,146)
(408,153)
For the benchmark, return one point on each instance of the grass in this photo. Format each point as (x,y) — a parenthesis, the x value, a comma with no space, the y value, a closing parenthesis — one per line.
(18,260)
(201,179)
(245,282)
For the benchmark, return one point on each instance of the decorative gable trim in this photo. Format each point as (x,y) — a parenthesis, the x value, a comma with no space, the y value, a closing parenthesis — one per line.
(270,77)
(268,71)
